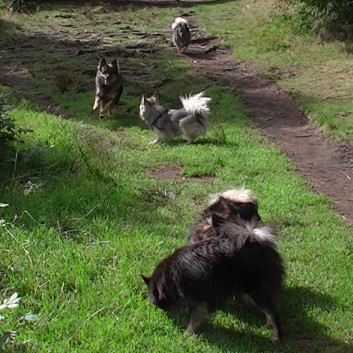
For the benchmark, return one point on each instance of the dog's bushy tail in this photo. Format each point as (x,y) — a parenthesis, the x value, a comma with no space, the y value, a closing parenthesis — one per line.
(197,103)
(242,231)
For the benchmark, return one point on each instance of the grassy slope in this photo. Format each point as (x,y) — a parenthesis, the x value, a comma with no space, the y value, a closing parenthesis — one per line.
(318,72)
(74,247)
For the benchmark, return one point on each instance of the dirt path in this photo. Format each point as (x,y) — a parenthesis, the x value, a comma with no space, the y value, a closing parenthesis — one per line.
(325,163)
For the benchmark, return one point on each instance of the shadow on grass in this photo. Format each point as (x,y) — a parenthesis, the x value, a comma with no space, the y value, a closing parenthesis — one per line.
(72,186)
(117,120)
(152,3)
(202,141)
(214,141)
(301,332)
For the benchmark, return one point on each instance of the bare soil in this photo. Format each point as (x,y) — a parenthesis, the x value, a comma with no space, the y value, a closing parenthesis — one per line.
(326,164)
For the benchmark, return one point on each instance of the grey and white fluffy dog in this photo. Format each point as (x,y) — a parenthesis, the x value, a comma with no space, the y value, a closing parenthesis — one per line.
(109,86)
(181,34)
(190,121)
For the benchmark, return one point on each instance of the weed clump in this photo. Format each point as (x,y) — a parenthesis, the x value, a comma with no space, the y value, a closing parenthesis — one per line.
(22,6)
(9,130)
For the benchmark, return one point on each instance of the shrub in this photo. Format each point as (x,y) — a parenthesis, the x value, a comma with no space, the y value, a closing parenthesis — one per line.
(325,16)
(20,5)
(9,130)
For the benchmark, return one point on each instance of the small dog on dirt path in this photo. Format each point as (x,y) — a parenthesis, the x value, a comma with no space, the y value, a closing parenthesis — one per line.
(241,260)
(181,34)
(190,121)
(229,204)
(109,86)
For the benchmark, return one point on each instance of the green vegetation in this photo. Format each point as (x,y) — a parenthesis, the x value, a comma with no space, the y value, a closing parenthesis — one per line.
(18,5)
(9,129)
(316,68)
(7,125)
(82,214)
(333,17)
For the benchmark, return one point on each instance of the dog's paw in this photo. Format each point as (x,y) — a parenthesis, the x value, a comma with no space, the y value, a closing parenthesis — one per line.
(276,339)
(188,334)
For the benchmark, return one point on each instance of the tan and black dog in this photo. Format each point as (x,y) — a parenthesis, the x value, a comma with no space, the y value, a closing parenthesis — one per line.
(109,86)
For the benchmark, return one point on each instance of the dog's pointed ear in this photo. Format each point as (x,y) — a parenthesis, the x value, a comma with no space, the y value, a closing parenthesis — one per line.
(224,202)
(145,101)
(217,220)
(115,64)
(229,208)
(102,62)
(147,280)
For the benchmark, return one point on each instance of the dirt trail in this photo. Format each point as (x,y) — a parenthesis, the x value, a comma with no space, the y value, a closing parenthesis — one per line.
(325,163)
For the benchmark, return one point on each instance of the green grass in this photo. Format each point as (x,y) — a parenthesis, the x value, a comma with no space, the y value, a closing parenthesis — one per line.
(73,245)
(269,35)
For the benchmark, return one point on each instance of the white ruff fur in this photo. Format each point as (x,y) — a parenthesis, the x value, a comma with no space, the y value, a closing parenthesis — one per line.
(179,20)
(236,195)
(196,104)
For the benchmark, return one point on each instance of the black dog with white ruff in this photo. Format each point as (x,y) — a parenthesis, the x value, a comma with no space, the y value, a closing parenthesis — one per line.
(239,260)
